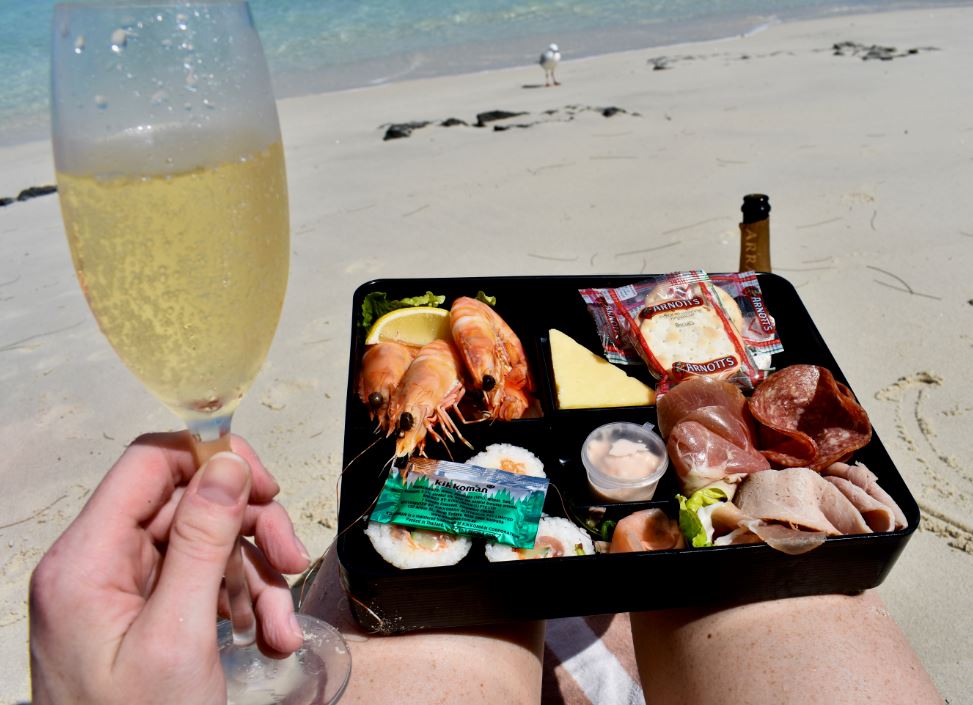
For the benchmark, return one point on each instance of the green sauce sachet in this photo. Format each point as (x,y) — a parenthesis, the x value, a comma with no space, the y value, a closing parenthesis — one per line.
(439,495)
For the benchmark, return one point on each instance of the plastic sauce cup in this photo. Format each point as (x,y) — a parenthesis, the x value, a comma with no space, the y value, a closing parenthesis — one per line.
(624,461)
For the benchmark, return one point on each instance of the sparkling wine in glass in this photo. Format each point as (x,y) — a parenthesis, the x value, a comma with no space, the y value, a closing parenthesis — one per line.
(171,177)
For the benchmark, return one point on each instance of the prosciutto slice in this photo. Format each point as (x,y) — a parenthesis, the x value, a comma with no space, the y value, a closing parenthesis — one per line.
(708,431)
(695,393)
(805,418)
(710,444)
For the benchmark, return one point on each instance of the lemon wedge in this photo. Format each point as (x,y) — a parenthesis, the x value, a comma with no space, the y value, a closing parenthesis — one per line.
(418,325)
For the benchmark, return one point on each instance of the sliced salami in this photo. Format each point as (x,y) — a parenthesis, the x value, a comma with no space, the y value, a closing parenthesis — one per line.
(805,418)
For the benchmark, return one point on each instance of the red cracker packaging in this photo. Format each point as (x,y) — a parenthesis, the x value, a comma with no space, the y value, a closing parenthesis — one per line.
(684,324)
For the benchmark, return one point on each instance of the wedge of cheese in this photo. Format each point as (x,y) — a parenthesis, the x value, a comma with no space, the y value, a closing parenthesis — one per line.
(587,381)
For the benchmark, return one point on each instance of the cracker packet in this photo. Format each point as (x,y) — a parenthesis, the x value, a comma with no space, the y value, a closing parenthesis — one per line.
(759,329)
(680,324)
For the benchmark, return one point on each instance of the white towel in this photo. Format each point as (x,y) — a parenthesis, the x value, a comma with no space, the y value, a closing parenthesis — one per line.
(590,660)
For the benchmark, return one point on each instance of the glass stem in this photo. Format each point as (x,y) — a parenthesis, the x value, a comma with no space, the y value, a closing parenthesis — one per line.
(210,437)
(238,592)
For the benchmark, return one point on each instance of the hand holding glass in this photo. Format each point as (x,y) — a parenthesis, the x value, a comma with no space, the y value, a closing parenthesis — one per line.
(171,177)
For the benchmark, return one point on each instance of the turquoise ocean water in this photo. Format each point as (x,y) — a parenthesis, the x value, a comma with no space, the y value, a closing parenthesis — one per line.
(321,45)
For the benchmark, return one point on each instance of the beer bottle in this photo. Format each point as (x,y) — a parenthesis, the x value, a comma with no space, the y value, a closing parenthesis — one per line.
(755,233)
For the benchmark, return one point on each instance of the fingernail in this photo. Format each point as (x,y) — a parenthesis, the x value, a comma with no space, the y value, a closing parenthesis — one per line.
(224,479)
(301,549)
(296,627)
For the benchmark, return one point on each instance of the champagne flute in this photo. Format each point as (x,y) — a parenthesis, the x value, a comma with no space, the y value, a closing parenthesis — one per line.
(170,170)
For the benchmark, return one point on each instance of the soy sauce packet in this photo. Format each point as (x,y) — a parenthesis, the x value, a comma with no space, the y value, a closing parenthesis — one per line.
(440,495)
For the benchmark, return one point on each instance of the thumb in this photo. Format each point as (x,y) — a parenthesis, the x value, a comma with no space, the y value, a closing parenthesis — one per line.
(203,533)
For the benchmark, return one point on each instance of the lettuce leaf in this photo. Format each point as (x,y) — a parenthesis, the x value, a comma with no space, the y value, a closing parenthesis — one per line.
(377,304)
(689,522)
(488,300)
(603,529)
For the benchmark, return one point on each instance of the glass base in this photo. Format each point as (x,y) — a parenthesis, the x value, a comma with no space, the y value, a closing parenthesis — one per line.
(315,674)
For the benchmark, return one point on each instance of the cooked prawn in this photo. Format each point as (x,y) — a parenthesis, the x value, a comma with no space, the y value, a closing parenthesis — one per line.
(430,387)
(383,366)
(494,357)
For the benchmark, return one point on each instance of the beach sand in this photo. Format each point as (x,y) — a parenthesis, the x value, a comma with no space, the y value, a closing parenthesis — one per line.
(867,163)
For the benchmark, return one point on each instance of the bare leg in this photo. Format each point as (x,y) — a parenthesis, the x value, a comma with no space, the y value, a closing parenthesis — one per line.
(830,649)
(500,664)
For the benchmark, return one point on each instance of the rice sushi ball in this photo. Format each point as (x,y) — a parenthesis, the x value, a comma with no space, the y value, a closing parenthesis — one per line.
(509,458)
(405,547)
(556,537)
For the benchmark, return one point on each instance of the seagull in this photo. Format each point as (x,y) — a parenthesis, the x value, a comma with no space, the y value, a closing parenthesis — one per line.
(549,60)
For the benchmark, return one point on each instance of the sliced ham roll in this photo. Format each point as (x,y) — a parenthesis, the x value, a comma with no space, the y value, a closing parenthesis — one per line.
(799,498)
(860,486)
(726,517)
(793,542)
(740,536)
(733,528)
(794,510)
(805,418)
(878,517)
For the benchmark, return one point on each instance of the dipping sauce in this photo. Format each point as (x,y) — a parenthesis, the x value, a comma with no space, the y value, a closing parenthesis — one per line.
(624,462)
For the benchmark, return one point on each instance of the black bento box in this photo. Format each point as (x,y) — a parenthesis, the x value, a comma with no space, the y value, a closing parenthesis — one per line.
(474,591)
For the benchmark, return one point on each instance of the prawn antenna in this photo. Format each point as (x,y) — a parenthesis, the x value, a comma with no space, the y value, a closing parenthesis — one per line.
(308,574)
(337,487)
(564,505)
(365,450)
(368,509)
(382,627)
(568,512)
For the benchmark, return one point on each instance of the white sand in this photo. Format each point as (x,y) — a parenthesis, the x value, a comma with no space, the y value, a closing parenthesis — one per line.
(868,165)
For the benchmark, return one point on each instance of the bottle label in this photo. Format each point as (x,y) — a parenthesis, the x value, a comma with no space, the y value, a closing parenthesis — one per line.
(754,247)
